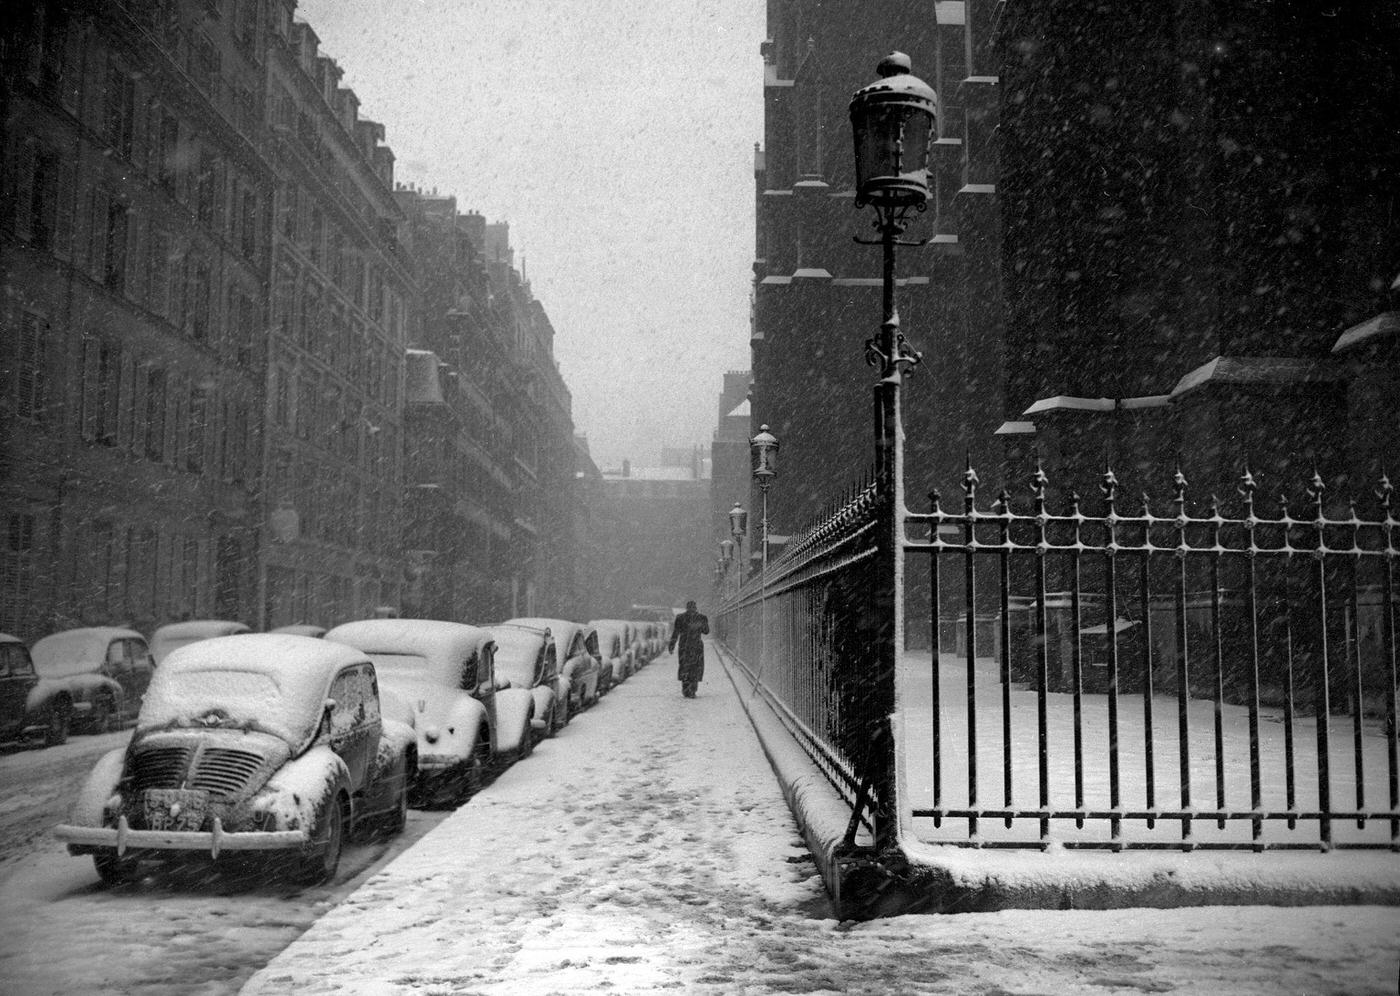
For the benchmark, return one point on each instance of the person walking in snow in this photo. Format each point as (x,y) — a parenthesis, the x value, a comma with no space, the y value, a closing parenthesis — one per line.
(690,626)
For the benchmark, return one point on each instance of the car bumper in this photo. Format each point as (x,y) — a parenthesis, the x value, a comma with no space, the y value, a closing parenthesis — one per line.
(121,838)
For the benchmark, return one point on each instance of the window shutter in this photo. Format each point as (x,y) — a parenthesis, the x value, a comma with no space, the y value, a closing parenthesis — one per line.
(20,206)
(88,410)
(126,401)
(63,212)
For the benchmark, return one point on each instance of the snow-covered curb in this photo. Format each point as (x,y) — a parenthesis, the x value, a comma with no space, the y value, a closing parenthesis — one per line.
(821,814)
(941,878)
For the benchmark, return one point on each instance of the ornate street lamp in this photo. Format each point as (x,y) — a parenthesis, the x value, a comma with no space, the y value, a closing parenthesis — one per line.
(892,121)
(738,528)
(764,447)
(726,553)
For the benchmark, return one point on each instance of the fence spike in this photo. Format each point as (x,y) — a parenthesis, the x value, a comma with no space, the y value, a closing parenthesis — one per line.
(934,499)
(1039,481)
(1383,492)
(1109,486)
(1317,490)
(1074,502)
(970,480)
(1004,500)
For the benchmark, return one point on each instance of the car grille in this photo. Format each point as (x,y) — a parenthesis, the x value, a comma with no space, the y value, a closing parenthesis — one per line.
(160,767)
(221,771)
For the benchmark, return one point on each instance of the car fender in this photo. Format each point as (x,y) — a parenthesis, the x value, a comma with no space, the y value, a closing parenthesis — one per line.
(86,687)
(514,707)
(297,789)
(461,727)
(397,742)
(544,700)
(46,691)
(99,788)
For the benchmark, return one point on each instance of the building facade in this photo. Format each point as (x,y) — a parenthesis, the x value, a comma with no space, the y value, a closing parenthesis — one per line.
(134,250)
(340,289)
(492,524)
(817,293)
(211,314)
(1197,207)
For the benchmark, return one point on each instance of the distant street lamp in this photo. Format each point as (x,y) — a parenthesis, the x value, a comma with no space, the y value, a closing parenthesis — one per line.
(764,447)
(738,528)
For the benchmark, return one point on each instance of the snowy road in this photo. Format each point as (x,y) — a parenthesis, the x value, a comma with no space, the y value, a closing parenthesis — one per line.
(61,932)
(648,850)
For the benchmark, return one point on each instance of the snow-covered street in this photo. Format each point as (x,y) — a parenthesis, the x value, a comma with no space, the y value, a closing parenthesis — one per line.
(648,849)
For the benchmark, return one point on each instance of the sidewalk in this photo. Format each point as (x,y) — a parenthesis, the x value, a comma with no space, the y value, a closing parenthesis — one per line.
(648,849)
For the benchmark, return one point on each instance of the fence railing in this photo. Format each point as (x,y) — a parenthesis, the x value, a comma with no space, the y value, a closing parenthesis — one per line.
(1099,674)
(802,635)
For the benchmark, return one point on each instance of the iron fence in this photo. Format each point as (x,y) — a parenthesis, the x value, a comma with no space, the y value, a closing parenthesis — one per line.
(802,634)
(1111,677)
(1127,679)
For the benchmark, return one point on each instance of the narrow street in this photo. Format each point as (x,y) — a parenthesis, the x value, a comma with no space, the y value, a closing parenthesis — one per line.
(648,849)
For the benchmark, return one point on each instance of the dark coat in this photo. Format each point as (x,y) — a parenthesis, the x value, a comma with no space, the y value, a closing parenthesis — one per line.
(687,631)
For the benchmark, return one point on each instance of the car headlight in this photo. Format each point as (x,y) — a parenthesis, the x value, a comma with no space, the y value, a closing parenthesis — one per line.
(431,734)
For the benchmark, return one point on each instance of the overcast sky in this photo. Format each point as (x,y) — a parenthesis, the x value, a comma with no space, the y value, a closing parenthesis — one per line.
(616,138)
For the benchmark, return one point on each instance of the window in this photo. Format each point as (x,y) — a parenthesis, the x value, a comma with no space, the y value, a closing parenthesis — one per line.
(101,387)
(155,415)
(23,365)
(168,153)
(157,273)
(291,214)
(196,432)
(190,583)
(206,187)
(120,112)
(204,65)
(282,398)
(16,569)
(197,302)
(114,247)
(248,222)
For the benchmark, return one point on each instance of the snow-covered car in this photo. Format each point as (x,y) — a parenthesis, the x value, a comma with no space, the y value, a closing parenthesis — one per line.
(526,657)
(258,742)
(613,649)
(300,629)
(172,636)
(578,658)
(30,707)
(468,718)
(104,670)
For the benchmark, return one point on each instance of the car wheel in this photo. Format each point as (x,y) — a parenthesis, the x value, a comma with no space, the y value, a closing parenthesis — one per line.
(319,861)
(527,741)
(104,714)
(473,776)
(115,870)
(60,716)
(561,715)
(397,818)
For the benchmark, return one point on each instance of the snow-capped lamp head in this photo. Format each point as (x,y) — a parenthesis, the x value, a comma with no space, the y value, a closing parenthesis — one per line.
(892,121)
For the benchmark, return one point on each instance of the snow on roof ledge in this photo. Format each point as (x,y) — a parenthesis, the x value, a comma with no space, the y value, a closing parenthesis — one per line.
(1256,370)
(1015,429)
(1063,402)
(1387,323)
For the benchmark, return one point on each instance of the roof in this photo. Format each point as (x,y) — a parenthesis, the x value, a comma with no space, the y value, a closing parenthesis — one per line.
(7,638)
(262,653)
(430,638)
(1257,370)
(200,628)
(70,651)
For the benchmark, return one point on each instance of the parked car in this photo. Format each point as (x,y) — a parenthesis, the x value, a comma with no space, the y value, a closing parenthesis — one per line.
(257,742)
(468,719)
(613,648)
(103,669)
(301,630)
(172,636)
(30,707)
(527,658)
(577,647)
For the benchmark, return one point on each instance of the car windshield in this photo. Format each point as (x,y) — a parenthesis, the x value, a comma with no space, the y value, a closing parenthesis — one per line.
(397,668)
(62,654)
(228,698)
